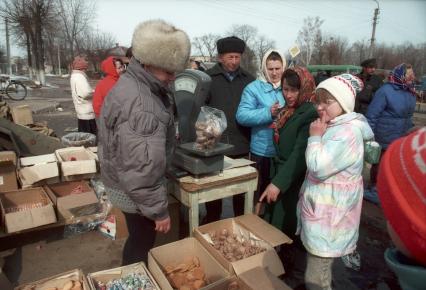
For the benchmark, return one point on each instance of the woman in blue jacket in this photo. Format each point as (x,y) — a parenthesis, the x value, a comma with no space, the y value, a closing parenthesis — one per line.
(260,103)
(390,114)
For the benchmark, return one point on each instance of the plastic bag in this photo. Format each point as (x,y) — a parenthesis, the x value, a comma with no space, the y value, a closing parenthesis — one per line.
(372,152)
(76,139)
(210,125)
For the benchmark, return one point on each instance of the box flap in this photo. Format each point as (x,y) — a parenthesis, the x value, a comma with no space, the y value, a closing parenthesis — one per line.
(268,259)
(32,174)
(261,278)
(78,167)
(39,159)
(57,281)
(263,230)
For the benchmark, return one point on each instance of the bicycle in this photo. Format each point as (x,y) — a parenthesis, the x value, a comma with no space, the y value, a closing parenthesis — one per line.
(14,89)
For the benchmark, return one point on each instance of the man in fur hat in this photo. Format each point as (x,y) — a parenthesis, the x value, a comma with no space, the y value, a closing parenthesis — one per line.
(371,84)
(137,133)
(228,83)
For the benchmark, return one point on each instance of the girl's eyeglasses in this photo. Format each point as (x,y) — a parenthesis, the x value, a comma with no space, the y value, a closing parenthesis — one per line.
(325,104)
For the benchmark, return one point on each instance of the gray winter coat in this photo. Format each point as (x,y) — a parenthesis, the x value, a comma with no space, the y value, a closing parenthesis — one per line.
(136,134)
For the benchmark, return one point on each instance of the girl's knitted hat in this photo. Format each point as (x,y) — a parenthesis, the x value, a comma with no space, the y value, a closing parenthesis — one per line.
(344,89)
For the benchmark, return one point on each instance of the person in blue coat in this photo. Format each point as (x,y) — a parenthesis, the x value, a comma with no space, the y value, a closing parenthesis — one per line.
(260,103)
(390,114)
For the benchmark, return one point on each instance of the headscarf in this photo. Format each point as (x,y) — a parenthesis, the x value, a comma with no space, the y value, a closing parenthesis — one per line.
(80,63)
(398,77)
(264,77)
(306,94)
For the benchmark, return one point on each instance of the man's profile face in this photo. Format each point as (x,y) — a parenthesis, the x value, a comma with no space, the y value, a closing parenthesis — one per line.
(166,77)
(370,70)
(230,61)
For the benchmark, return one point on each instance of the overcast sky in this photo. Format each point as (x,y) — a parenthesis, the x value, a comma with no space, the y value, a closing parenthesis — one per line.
(280,20)
(399,20)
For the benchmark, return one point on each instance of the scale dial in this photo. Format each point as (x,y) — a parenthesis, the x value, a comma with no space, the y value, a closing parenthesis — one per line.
(185,84)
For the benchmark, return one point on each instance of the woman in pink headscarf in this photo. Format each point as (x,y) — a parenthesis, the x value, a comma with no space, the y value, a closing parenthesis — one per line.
(82,93)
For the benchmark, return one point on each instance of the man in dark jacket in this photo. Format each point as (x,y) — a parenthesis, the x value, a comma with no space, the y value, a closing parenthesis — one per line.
(371,84)
(137,133)
(228,83)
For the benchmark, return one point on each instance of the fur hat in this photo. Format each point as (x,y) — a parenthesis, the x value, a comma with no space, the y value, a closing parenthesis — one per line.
(371,62)
(80,63)
(230,44)
(401,185)
(344,89)
(162,45)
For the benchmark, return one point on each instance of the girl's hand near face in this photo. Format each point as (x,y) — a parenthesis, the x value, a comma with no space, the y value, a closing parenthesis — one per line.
(318,127)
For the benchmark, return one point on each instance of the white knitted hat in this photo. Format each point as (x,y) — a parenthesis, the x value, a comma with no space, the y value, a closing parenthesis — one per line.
(160,44)
(344,89)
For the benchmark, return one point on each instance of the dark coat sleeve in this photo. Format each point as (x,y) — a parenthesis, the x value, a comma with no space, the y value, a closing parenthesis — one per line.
(295,166)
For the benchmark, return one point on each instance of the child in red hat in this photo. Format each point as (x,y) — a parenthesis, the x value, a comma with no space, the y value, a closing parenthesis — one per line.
(401,186)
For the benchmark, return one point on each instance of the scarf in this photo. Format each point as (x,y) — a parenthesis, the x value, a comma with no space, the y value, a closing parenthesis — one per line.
(306,94)
(398,77)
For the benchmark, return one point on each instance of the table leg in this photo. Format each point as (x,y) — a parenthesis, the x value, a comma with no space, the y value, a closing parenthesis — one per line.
(193,212)
(248,202)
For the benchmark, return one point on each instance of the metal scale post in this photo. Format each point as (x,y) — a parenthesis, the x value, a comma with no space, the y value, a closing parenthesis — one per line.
(191,88)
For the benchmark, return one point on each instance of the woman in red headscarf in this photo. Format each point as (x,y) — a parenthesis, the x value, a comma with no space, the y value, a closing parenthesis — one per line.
(82,93)
(291,132)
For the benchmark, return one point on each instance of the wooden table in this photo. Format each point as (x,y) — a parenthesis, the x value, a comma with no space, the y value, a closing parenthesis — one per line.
(193,191)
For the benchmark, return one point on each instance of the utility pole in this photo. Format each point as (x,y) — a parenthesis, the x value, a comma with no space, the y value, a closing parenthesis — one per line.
(9,67)
(373,35)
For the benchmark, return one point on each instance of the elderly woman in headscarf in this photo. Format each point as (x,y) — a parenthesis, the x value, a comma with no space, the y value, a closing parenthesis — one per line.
(390,113)
(82,94)
(260,103)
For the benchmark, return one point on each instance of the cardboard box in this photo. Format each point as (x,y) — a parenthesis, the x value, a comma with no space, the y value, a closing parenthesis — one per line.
(25,209)
(38,170)
(77,163)
(22,115)
(177,252)
(250,227)
(68,195)
(116,273)
(8,180)
(57,281)
(256,278)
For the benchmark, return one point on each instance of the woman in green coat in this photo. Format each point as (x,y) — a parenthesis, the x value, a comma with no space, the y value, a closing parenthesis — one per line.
(291,132)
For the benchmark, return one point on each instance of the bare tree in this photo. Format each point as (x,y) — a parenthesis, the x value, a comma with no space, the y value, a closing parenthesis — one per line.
(261,45)
(308,36)
(257,45)
(31,17)
(76,16)
(205,45)
(95,45)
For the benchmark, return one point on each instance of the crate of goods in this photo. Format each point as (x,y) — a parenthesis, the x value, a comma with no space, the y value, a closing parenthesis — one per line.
(38,170)
(185,264)
(76,163)
(134,276)
(25,209)
(71,280)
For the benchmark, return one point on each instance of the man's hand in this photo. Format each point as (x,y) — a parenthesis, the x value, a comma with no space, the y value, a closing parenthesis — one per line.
(275,108)
(318,127)
(163,226)
(271,193)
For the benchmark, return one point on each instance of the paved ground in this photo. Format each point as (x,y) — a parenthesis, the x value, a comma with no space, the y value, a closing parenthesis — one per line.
(51,253)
